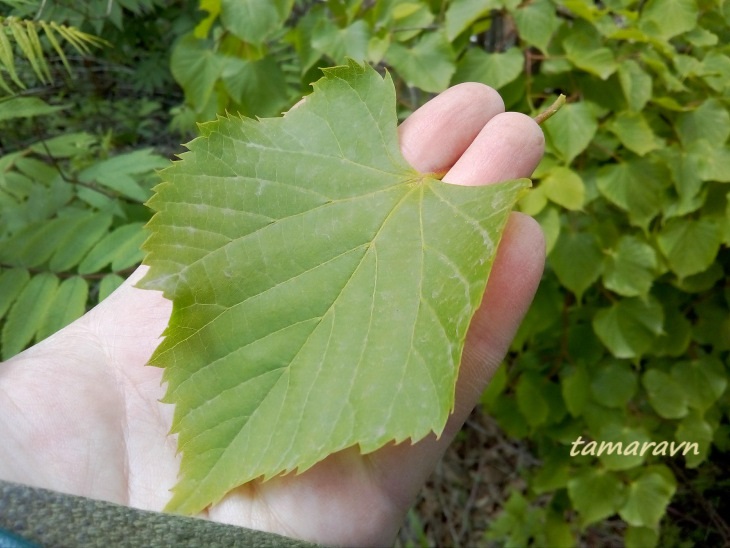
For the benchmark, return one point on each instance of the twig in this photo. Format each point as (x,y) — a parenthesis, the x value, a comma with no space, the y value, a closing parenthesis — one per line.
(552,109)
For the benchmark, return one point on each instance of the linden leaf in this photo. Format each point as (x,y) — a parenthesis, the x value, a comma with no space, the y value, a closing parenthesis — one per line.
(321,287)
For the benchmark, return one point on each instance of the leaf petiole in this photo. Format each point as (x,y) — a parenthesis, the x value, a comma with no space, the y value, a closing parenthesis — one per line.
(552,109)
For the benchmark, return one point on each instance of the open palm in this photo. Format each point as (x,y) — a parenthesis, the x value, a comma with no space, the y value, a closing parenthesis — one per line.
(81,412)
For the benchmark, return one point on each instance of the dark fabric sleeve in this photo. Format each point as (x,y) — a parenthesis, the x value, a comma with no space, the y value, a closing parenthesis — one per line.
(47,518)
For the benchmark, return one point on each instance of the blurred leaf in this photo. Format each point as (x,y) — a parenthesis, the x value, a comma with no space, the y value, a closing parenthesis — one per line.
(665,19)
(254,20)
(629,454)
(428,65)
(337,43)
(67,145)
(576,390)
(596,494)
(614,384)
(703,381)
(108,285)
(636,84)
(634,132)
(493,69)
(26,107)
(696,434)
(629,326)
(577,260)
(666,395)
(641,537)
(690,245)
(583,51)
(530,399)
(564,187)
(68,304)
(630,267)
(28,313)
(12,282)
(536,23)
(709,121)
(462,13)
(122,248)
(196,68)
(571,132)
(77,243)
(34,245)
(647,498)
(258,88)
(636,186)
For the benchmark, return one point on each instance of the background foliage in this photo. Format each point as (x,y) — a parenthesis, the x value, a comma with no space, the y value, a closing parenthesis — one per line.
(629,335)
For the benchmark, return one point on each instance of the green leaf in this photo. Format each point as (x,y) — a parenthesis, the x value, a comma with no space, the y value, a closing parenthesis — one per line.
(630,267)
(666,395)
(339,43)
(677,334)
(28,313)
(428,65)
(624,447)
(629,326)
(196,68)
(108,285)
(709,121)
(12,282)
(77,243)
(584,53)
(564,187)
(636,84)
(696,435)
(321,287)
(530,399)
(258,88)
(636,186)
(641,537)
(121,173)
(34,245)
(254,20)
(634,132)
(665,19)
(647,498)
(493,69)
(121,248)
(577,260)
(571,132)
(690,245)
(66,145)
(68,304)
(613,384)
(536,23)
(703,381)
(462,13)
(596,494)
(575,389)
(26,107)
(715,69)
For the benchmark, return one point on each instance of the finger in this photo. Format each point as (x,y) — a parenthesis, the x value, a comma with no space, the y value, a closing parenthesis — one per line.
(509,146)
(434,137)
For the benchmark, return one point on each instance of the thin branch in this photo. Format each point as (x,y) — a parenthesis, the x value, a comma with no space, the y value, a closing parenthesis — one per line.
(552,109)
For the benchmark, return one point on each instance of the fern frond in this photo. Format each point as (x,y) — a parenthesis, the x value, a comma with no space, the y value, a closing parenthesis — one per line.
(26,34)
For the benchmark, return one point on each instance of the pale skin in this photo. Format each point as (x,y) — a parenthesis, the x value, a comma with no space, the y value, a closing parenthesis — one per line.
(80,411)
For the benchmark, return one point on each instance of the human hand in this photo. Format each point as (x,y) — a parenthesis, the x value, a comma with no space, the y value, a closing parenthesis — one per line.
(82,413)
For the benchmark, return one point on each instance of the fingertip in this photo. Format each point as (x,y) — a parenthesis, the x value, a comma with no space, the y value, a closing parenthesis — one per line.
(509,146)
(435,136)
